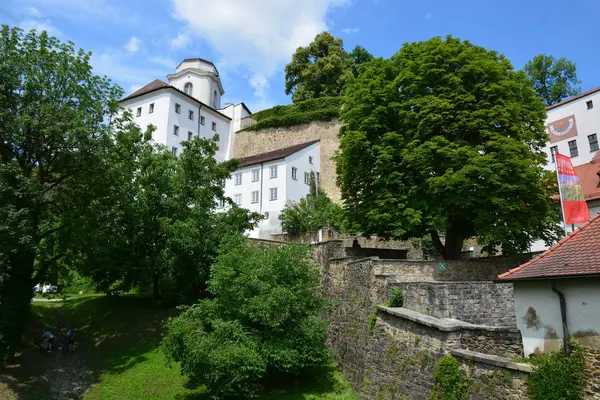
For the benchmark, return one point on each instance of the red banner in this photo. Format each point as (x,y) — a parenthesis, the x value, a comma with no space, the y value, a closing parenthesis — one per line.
(574,205)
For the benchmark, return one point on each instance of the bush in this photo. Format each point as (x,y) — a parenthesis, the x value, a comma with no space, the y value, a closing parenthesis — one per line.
(449,383)
(557,376)
(319,109)
(396,298)
(264,320)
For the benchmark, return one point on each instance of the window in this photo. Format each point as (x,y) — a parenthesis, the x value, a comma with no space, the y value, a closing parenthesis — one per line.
(222,203)
(175,130)
(238,199)
(139,112)
(238,179)
(191,115)
(318,177)
(573,148)
(214,126)
(215,105)
(553,151)
(151,108)
(255,197)
(188,88)
(255,175)
(273,194)
(295,173)
(310,160)
(307,178)
(201,120)
(273,172)
(589,104)
(593,139)
(267,215)
(190,134)
(174,151)
(178,108)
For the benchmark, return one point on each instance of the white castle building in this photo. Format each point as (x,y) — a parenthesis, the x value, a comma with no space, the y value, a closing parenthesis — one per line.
(189,105)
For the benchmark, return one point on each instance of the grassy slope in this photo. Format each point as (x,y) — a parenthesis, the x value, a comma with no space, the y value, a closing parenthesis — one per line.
(118,341)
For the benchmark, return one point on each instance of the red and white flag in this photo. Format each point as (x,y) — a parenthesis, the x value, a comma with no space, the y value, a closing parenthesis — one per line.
(574,206)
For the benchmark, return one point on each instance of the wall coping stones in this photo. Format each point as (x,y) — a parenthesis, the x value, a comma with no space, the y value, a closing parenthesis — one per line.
(491,360)
(362,259)
(442,324)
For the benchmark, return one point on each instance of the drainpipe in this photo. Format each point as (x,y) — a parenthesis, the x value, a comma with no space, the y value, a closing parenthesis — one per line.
(563,316)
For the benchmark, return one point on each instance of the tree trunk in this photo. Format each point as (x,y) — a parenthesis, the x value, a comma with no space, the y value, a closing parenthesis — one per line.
(155,290)
(451,249)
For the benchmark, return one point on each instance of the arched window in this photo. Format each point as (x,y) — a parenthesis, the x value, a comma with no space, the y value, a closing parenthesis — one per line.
(215,100)
(188,88)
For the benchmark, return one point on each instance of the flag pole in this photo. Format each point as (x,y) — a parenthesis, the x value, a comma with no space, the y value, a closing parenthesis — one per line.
(562,208)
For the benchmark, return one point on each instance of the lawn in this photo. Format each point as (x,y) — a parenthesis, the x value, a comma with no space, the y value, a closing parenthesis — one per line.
(118,357)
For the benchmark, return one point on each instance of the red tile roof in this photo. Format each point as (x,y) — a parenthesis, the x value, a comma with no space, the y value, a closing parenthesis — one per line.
(154,85)
(575,255)
(274,155)
(579,96)
(589,176)
(157,84)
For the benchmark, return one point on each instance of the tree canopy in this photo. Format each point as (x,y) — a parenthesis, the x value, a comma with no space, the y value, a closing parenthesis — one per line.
(52,135)
(322,69)
(312,212)
(446,138)
(553,79)
(264,319)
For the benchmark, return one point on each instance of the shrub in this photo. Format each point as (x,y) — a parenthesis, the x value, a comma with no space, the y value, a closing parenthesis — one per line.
(449,383)
(372,321)
(264,320)
(396,298)
(319,109)
(558,376)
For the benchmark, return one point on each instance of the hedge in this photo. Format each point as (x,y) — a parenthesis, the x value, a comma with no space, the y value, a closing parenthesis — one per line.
(320,109)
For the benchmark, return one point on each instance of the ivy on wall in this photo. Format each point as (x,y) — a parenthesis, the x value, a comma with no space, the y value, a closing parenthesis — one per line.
(449,382)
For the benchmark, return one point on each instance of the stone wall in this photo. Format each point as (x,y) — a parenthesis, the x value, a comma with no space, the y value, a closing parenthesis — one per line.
(248,143)
(391,353)
(485,303)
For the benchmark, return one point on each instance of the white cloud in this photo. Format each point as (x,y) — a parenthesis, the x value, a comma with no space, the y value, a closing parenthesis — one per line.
(133,88)
(133,45)
(429,16)
(34,12)
(164,61)
(182,40)
(351,30)
(39,26)
(260,35)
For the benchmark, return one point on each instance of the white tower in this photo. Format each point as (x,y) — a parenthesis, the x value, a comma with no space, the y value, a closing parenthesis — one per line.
(200,79)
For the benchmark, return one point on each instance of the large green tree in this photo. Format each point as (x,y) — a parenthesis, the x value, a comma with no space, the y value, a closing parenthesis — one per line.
(323,68)
(265,320)
(554,79)
(52,135)
(158,226)
(446,139)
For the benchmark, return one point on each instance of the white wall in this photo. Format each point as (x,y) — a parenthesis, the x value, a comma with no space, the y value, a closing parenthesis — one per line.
(538,313)
(159,118)
(297,189)
(182,120)
(588,122)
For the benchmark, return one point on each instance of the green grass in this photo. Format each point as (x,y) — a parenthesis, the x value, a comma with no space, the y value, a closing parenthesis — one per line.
(118,347)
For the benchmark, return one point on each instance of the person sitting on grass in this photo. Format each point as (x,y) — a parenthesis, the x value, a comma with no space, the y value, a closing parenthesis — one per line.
(47,335)
(70,339)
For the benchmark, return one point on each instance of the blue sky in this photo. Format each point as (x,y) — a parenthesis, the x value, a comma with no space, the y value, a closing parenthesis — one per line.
(137,41)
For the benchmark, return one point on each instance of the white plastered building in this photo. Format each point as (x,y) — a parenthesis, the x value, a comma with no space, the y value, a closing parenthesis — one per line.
(189,105)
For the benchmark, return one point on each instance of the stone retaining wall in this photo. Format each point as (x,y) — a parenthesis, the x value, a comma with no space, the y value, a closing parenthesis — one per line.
(484,302)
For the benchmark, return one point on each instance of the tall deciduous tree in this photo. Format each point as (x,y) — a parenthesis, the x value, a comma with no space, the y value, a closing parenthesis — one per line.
(319,70)
(52,134)
(446,137)
(359,56)
(553,79)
